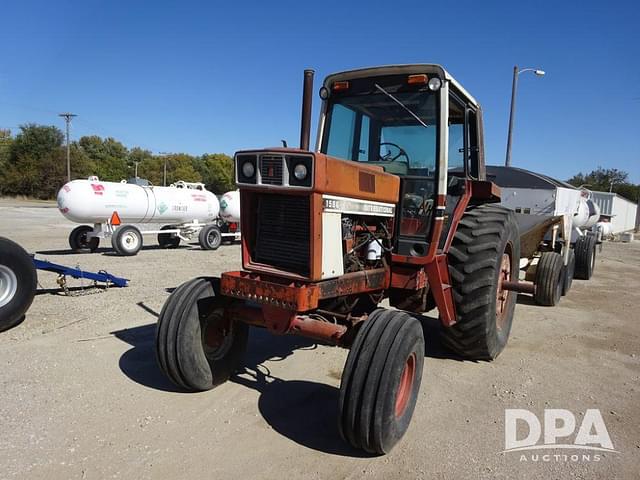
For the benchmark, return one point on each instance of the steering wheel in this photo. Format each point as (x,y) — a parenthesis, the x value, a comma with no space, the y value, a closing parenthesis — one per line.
(391,158)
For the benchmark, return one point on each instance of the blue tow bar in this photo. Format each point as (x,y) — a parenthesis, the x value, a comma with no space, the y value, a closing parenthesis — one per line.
(100,276)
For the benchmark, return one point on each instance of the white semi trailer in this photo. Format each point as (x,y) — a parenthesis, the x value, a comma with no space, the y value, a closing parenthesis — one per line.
(186,211)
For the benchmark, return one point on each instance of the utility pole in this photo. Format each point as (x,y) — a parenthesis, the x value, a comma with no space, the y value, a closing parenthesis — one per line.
(67,118)
(164,181)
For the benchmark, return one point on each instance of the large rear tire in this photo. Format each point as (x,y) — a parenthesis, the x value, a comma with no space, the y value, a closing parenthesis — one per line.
(80,242)
(381,380)
(18,282)
(549,279)
(485,252)
(585,248)
(197,347)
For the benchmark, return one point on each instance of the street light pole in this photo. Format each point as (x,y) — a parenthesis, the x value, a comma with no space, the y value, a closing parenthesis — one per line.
(67,117)
(514,89)
(164,181)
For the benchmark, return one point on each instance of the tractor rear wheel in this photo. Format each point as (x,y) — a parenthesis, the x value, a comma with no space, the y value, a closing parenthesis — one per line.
(485,253)
(381,380)
(585,248)
(197,347)
(549,280)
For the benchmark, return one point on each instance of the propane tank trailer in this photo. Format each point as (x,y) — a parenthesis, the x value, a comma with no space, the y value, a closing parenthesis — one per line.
(187,211)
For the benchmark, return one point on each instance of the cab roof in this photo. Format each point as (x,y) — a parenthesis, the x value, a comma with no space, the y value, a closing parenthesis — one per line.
(408,69)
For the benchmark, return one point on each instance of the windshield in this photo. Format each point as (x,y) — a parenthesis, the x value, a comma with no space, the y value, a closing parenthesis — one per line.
(373,128)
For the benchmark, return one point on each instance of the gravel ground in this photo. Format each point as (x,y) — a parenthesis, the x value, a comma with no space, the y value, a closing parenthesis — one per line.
(81,395)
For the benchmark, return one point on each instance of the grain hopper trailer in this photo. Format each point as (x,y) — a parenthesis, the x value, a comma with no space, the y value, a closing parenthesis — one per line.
(392,203)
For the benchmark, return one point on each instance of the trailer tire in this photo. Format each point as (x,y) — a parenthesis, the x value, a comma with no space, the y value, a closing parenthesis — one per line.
(79,242)
(210,237)
(549,280)
(381,380)
(585,249)
(197,348)
(168,240)
(485,252)
(18,282)
(568,272)
(127,240)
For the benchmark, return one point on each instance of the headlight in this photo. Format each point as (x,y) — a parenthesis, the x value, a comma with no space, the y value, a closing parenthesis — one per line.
(300,171)
(434,84)
(248,170)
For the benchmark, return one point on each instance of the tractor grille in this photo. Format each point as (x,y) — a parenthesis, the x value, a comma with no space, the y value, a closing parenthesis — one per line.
(271,169)
(282,239)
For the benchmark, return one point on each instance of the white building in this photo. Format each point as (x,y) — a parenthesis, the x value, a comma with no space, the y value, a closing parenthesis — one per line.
(621,212)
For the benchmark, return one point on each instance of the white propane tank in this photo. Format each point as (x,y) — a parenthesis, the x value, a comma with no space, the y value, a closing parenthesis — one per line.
(587,215)
(230,206)
(93,201)
(605,229)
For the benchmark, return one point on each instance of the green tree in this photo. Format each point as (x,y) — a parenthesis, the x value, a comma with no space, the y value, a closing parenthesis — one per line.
(216,170)
(36,164)
(109,157)
(604,180)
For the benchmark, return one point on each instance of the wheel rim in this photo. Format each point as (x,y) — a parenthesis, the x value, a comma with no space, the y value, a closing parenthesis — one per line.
(217,335)
(406,385)
(212,238)
(130,241)
(8,285)
(502,295)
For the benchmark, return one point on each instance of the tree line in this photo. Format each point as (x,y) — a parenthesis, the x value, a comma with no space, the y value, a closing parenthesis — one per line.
(608,180)
(33,163)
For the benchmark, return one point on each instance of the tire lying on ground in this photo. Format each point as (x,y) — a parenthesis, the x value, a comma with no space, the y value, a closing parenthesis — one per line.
(381,380)
(127,240)
(549,281)
(18,282)
(585,250)
(210,237)
(79,242)
(196,346)
(485,252)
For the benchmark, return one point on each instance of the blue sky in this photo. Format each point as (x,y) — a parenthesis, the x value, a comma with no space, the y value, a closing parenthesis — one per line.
(221,76)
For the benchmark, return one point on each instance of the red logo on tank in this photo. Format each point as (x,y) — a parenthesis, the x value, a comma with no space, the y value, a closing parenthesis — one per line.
(97,189)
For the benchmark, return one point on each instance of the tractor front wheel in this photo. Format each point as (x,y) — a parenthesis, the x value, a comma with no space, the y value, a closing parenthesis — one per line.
(381,380)
(484,254)
(197,346)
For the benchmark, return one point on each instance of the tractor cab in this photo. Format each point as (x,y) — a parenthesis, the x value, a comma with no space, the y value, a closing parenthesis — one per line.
(413,121)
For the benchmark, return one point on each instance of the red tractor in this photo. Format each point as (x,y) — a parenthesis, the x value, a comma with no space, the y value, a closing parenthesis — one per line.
(392,204)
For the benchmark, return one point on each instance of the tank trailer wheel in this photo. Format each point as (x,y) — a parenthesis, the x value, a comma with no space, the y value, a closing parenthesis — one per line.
(168,240)
(549,281)
(127,240)
(381,380)
(485,252)
(197,347)
(210,237)
(585,249)
(18,282)
(568,272)
(79,242)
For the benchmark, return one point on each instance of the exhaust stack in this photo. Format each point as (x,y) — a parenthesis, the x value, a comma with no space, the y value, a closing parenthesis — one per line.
(305,124)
